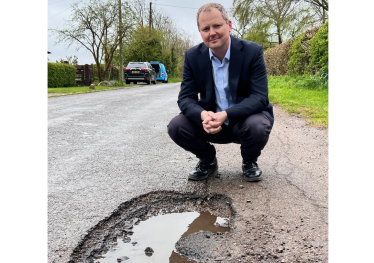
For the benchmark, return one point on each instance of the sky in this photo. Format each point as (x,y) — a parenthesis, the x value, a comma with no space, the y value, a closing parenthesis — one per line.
(183,13)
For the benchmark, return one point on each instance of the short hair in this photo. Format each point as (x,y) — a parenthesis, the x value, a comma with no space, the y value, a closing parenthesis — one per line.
(208,7)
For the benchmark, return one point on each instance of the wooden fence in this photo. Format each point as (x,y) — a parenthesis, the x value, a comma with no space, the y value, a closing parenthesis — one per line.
(84,74)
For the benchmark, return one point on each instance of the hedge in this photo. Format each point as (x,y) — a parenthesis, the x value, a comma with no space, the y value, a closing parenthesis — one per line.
(61,75)
(319,49)
(298,63)
(277,57)
(306,53)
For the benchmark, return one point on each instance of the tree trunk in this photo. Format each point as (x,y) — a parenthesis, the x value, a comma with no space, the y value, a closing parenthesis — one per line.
(279,36)
(99,71)
(279,32)
(110,72)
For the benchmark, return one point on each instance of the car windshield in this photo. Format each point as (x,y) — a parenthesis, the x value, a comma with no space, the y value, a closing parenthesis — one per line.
(136,65)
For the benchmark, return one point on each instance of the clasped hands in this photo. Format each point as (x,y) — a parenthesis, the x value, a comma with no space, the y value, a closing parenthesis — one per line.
(212,122)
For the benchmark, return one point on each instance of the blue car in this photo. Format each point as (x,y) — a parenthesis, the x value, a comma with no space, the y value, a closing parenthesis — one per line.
(160,69)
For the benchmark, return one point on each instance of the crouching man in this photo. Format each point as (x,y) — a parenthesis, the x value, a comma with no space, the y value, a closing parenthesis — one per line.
(223,97)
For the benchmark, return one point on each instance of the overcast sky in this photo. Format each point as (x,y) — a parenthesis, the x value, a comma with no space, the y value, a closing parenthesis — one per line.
(183,13)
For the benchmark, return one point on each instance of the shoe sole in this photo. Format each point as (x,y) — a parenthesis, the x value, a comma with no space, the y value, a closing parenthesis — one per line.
(253,179)
(203,178)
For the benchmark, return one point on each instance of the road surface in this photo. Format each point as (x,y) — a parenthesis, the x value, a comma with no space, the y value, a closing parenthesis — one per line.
(105,148)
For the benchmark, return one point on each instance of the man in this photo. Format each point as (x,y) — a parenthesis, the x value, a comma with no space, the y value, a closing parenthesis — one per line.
(229,75)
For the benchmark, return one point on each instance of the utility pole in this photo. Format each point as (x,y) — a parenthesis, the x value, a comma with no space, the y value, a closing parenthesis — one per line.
(120,43)
(150,17)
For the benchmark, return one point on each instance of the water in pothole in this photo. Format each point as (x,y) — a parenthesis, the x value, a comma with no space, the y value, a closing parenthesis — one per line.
(161,233)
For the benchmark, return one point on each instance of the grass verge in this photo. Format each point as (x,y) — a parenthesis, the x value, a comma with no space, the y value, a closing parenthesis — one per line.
(305,96)
(174,80)
(85,89)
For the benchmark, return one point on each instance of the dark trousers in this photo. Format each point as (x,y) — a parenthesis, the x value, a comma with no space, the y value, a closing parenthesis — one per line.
(252,134)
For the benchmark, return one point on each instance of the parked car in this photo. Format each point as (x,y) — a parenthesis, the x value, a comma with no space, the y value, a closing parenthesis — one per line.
(140,72)
(160,69)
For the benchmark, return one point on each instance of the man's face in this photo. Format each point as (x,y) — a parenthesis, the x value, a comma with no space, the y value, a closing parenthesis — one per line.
(214,30)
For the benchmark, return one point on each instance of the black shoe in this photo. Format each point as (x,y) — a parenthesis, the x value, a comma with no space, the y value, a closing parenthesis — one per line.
(251,172)
(203,170)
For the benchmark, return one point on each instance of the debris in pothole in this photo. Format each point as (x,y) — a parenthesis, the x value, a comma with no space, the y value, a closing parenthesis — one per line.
(124,258)
(126,240)
(148,251)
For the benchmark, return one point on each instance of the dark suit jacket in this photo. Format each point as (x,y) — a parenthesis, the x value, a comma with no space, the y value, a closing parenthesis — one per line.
(247,80)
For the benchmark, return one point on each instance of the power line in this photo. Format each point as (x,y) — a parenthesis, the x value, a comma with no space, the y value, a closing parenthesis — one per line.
(56,2)
(178,6)
(59,13)
(185,6)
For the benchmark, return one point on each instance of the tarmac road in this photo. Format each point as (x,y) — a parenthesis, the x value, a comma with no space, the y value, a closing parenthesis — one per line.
(105,148)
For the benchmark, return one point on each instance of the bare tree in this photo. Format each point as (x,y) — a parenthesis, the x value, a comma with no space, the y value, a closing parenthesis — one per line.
(174,41)
(321,8)
(171,45)
(93,25)
(324,4)
(139,7)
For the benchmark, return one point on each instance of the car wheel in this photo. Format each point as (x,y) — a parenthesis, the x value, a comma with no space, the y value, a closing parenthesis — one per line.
(127,82)
(148,82)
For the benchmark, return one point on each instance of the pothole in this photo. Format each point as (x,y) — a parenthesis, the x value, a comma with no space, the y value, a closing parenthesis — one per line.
(149,228)
(156,237)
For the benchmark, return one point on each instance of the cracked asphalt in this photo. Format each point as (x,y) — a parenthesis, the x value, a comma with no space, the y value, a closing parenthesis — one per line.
(105,148)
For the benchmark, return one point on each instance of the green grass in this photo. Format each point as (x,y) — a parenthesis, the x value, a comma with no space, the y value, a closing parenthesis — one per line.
(85,89)
(174,80)
(305,96)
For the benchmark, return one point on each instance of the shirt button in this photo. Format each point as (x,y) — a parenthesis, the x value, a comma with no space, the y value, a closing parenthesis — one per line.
(220,82)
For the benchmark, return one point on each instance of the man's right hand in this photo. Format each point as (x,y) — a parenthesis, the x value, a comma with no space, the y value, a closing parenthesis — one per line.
(209,124)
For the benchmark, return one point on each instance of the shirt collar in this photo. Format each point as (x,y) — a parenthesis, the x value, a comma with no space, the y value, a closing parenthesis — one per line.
(227,55)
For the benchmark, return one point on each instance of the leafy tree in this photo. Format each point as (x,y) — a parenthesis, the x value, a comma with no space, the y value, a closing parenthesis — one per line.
(282,19)
(93,25)
(260,34)
(174,42)
(145,45)
(171,41)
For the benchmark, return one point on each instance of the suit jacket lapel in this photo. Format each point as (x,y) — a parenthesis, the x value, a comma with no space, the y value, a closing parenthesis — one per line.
(236,62)
(205,67)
